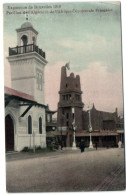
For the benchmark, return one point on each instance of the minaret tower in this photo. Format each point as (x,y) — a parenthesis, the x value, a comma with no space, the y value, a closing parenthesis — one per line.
(27,63)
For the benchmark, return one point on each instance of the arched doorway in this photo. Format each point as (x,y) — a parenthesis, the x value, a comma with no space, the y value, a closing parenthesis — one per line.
(9,133)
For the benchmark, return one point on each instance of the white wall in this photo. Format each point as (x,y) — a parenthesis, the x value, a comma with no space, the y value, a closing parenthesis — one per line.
(21,136)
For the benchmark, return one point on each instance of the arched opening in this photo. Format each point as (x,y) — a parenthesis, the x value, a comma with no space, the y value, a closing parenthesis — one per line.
(9,133)
(29,124)
(40,125)
(24,40)
(34,40)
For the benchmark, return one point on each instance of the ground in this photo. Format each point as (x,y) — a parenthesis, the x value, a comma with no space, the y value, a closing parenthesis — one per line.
(66,171)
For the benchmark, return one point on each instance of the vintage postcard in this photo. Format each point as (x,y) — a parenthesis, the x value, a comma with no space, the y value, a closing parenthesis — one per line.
(64,119)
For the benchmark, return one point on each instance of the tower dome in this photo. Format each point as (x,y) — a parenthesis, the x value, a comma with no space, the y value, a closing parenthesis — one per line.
(26,25)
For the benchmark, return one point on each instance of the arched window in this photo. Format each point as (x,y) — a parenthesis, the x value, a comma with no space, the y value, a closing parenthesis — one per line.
(24,40)
(40,125)
(29,124)
(34,41)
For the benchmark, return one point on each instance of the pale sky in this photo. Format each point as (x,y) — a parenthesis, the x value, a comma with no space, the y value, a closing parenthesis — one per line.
(91,41)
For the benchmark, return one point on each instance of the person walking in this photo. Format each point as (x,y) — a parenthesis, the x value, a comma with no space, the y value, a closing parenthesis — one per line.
(82,146)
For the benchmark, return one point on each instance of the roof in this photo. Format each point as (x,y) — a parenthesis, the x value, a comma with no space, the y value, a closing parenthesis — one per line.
(50,111)
(26,24)
(82,134)
(103,114)
(13,92)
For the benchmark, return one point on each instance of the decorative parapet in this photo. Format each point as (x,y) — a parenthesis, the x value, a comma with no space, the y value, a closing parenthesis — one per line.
(26,49)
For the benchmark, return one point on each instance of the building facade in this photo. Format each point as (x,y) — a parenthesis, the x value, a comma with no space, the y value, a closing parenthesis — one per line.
(105,125)
(25,107)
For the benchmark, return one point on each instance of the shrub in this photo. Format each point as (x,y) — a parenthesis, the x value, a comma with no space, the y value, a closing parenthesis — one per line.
(25,149)
(39,149)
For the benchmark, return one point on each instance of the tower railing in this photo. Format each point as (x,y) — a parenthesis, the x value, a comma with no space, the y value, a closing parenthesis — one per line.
(26,49)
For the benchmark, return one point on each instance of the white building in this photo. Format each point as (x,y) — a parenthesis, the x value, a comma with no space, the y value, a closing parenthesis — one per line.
(24,102)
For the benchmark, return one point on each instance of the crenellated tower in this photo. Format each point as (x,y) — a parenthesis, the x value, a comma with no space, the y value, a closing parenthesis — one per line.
(70,104)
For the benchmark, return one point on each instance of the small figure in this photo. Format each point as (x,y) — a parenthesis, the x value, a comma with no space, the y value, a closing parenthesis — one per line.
(82,146)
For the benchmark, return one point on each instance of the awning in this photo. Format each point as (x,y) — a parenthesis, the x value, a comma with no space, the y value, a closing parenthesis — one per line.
(84,134)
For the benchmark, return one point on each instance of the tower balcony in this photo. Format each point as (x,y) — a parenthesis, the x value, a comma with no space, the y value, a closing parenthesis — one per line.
(26,49)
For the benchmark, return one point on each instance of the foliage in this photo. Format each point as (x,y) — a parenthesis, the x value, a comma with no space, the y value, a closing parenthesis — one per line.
(39,149)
